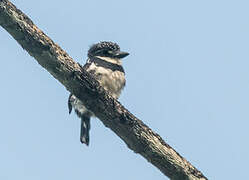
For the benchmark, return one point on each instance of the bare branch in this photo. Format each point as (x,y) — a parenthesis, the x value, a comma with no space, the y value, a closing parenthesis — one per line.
(138,137)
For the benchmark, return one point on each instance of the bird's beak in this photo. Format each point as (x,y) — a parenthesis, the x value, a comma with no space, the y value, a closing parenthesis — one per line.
(120,54)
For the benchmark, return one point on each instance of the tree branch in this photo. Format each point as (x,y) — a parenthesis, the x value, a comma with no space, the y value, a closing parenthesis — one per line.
(138,137)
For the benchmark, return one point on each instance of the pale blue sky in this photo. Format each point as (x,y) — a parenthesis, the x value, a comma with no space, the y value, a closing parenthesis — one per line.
(187,78)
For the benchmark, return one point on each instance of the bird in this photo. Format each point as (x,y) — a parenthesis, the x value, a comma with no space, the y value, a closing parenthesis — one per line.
(104,62)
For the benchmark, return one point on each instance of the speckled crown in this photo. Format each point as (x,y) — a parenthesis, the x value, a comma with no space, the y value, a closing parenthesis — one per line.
(103,45)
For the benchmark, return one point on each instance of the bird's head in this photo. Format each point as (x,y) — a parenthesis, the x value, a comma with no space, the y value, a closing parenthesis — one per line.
(106,50)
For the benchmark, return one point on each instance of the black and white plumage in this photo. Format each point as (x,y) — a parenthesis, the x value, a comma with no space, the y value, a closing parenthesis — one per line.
(104,63)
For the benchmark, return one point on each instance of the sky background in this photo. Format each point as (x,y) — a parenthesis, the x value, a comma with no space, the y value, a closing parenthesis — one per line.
(187,78)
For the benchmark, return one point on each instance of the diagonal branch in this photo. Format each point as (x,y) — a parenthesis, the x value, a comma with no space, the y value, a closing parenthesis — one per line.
(138,137)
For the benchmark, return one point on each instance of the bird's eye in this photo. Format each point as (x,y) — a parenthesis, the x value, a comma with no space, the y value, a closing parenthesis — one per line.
(105,52)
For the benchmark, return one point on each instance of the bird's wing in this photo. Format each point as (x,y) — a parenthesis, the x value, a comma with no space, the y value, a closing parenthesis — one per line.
(69,103)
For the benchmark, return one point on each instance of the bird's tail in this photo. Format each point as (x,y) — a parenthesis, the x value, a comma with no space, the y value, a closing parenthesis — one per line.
(84,131)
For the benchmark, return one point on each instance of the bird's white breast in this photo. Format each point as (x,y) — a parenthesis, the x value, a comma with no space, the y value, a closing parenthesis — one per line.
(112,81)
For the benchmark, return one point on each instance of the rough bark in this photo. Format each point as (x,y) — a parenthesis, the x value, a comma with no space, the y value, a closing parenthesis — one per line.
(138,137)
